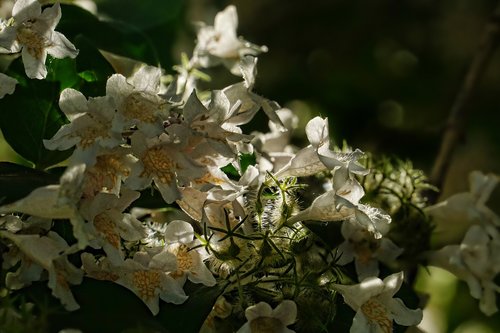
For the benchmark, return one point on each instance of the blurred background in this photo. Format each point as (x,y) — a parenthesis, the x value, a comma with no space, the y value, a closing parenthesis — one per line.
(384,72)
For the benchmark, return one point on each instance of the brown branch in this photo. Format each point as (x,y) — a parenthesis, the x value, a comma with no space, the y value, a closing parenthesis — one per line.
(459,112)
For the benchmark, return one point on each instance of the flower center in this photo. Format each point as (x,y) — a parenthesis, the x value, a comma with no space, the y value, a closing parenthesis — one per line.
(89,134)
(364,245)
(32,40)
(266,325)
(377,313)
(138,106)
(157,162)
(107,228)
(184,260)
(146,282)
(104,175)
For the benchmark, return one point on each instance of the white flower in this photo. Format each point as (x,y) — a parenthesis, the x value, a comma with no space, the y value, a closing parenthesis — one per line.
(365,249)
(137,101)
(146,275)
(56,202)
(44,253)
(162,160)
(179,239)
(244,103)
(31,32)
(220,43)
(455,215)
(375,307)
(7,85)
(273,149)
(343,204)
(318,157)
(89,128)
(109,225)
(261,318)
(476,261)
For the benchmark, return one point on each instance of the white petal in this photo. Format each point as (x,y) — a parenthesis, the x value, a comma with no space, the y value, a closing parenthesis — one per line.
(51,16)
(61,47)
(8,40)
(392,283)
(403,315)
(261,309)
(226,21)
(72,103)
(164,261)
(7,85)
(147,78)
(317,132)
(179,232)
(286,312)
(360,324)
(26,9)
(169,191)
(35,68)
(172,292)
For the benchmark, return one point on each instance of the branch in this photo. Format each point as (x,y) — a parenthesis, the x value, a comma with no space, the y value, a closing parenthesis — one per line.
(459,112)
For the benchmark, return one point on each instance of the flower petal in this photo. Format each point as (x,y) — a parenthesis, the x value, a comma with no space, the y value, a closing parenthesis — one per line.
(179,232)
(286,312)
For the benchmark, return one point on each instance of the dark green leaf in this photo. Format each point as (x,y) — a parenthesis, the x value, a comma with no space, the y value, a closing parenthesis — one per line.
(63,71)
(28,117)
(119,38)
(109,307)
(17,181)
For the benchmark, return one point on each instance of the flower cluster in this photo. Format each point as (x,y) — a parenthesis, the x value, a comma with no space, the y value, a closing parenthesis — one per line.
(252,228)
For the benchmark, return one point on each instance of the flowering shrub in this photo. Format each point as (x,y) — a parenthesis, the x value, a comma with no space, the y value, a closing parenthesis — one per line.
(168,217)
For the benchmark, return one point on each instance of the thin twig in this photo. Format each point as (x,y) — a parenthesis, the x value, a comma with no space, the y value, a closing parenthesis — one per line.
(459,112)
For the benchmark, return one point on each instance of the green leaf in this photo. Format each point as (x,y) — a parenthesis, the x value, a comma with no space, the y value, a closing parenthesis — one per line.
(63,71)
(246,160)
(108,307)
(119,38)
(28,117)
(92,67)
(17,181)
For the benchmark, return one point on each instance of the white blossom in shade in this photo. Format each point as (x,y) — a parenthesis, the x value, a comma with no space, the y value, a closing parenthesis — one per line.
(89,128)
(375,307)
(41,253)
(476,261)
(273,150)
(7,85)
(244,103)
(343,204)
(361,246)
(56,202)
(137,101)
(108,224)
(212,139)
(31,32)
(318,157)
(220,43)
(179,241)
(110,168)
(145,275)
(162,160)
(261,318)
(455,215)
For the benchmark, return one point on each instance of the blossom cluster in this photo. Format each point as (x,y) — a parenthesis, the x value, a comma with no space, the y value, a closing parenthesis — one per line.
(251,228)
